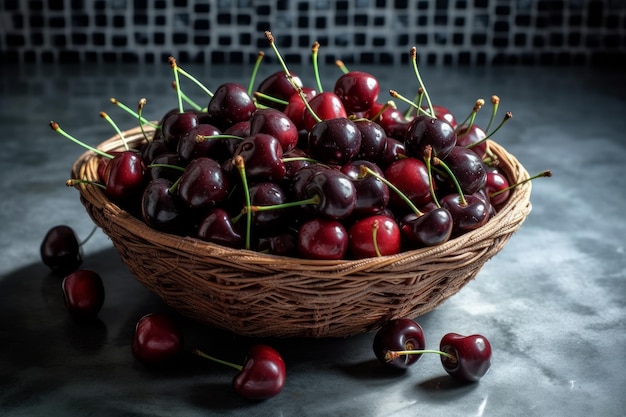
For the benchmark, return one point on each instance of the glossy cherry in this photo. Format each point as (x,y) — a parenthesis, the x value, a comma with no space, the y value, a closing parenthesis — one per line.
(190,148)
(497,183)
(276,123)
(410,176)
(229,105)
(357,90)
(321,238)
(377,235)
(217,227)
(468,212)
(278,85)
(334,141)
(262,375)
(372,195)
(161,207)
(468,168)
(471,356)
(427,131)
(325,105)
(373,140)
(174,124)
(430,228)
(399,334)
(124,178)
(84,293)
(203,184)
(60,250)
(472,137)
(157,339)
(335,192)
(262,156)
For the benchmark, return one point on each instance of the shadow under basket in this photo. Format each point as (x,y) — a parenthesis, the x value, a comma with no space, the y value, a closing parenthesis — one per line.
(259,295)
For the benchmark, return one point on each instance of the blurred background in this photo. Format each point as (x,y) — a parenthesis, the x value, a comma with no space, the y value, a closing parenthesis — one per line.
(445,32)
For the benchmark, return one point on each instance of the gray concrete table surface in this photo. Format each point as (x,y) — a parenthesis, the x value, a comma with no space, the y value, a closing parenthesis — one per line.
(552,302)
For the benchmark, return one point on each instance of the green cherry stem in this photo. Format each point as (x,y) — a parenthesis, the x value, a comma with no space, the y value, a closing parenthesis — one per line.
(190,77)
(200,353)
(255,70)
(185,97)
(309,201)
(469,120)
(342,66)
(204,138)
(395,94)
(447,169)
(140,106)
(495,101)
(176,167)
(506,118)
(116,128)
(240,165)
(419,80)
(75,181)
(270,98)
(394,354)
(419,97)
(546,173)
(174,66)
(384,107)
(367,171)
(55,126)
(314,55)
(428,153)
(127,109)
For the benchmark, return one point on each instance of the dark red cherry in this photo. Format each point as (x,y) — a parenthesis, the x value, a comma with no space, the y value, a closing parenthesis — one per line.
(125,177)
(372,195)
(162,166)
(469,136)
(321,238)
(263,374)
(229,105)
(203,184)
(161,208)
(175,124)
(371,236)
(283,244)
(60,250)
(472,356)
(326,105)
(468,168)
(276,123)
(336,192)
(157,339)
(388,117)
(279,86)
(357,90)
(151,150)
(429,229)
(394,150)
(410,176)
(442,113)
(263,157)
(427,131)
(334,141)
(468,215)
(217,227)
(296,108)
(399,335)
(496,181)
(373,140)
(267,194)
(84,293)
(190,147)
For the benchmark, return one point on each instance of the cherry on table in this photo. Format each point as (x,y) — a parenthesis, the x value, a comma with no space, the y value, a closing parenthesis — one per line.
(470,356)
(399,334)
(157,339)
(60,250)
(262,375)
(84,293)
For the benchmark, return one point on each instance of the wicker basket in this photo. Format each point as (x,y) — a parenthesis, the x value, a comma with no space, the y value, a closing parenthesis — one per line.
(259,295)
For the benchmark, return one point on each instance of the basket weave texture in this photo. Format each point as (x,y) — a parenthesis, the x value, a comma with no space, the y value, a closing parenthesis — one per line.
(260,295)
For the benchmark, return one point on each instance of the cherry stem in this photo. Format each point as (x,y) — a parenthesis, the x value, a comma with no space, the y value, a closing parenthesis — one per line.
(132,112)
(384,107)
(506,118)
(186,98)
(309,201)
(300,158)
(368,171)
(176,167)
(74,182)
(546,173)
(240,165)
(89,236)
(314,54)
(116,128)
(270,98)
(55,126)
(255,70)
(469,120)
(375,227)
(140,106)
(417,103)
(495,100)
(446,168)
(342,66)
(174,66)
(191,78)
(428,153)
(200,353)
(270,39)
(395,94)
(394,354)
(419,80)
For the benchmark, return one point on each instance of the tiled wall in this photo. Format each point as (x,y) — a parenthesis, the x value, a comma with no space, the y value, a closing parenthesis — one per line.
(446,32)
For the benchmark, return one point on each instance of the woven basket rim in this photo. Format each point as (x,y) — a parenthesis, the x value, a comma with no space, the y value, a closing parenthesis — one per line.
(510,215)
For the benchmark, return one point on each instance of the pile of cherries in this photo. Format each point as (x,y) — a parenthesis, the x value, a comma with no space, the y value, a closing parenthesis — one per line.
(298,171)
